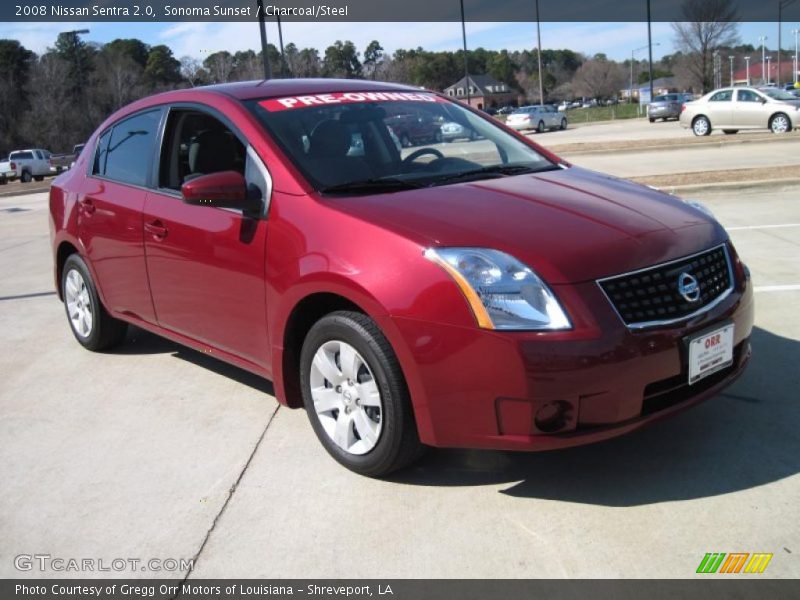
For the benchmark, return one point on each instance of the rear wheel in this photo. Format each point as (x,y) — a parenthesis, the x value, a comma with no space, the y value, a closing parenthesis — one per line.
(730,131)
(92,326)
(780,124)
(540,127)
(563,124)
(355,395)
(701,126)
(652,120)
(39,178)
(25,177)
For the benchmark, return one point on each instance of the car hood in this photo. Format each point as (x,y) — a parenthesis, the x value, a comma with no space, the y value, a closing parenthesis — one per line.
(790,102)
(569,225)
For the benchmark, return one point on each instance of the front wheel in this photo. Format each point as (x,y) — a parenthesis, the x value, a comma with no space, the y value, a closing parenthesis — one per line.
(563,124)
(701,126)
(92,326)
(780,124)
(39,178)
(355,395)
(540,127)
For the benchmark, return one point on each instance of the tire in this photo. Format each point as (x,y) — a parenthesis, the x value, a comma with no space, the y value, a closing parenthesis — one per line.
(701,126)
(652,120)
(540,127)
(780,123)
(83,307)
(25,177)
(730,131)
(3,181)
(39,178)
(404,141)
(392,442)
(563,124)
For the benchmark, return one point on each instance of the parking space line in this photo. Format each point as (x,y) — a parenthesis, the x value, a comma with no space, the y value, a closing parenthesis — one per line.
(778,226)
(776,288)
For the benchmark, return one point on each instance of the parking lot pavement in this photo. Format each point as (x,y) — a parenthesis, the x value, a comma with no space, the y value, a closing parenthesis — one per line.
(133,454)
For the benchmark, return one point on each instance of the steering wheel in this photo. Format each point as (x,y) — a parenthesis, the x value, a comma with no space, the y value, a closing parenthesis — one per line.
(422,152)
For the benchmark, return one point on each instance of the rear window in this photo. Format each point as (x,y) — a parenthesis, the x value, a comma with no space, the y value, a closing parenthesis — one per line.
(21,156)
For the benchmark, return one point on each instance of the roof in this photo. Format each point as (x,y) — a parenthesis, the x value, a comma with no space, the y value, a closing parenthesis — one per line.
(248,90)
(661,82)
(480,82)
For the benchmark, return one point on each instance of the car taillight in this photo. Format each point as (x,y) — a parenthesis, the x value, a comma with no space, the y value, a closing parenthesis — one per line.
(13,166)
(683,107)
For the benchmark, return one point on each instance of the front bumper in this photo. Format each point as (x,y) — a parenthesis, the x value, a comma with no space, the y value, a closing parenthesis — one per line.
(476,388)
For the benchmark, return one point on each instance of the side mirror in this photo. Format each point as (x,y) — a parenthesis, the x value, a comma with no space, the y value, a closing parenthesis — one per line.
(225,189)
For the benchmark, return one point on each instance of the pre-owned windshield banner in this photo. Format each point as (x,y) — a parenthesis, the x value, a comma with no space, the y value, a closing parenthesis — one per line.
(306,100)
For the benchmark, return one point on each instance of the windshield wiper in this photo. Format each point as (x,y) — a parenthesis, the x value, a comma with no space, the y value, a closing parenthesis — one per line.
(367,186)
(493,171)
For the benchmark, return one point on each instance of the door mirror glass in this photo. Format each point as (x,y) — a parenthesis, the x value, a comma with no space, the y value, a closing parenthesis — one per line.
(225,189)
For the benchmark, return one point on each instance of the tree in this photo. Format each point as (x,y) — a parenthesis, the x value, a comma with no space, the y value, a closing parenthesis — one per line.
(308,63)
(341,60)
(373,56)
(16,64)
(134,49)
(597,79)
(192,71)
(219,66)
(706,26)
(118,76)
(162,68)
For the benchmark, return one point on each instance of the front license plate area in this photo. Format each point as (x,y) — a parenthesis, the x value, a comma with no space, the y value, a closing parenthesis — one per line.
(710,352)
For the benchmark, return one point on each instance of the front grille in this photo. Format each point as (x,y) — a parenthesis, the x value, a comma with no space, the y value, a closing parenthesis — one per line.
(651,296)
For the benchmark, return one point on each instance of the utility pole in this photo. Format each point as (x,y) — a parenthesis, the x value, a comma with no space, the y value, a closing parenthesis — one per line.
(763,39)
(539,53)
(747,60)
(263,29)
(649,51)
(781,5)
(280,42)
(796,66)
(731,57)
(466,64)
(769,70)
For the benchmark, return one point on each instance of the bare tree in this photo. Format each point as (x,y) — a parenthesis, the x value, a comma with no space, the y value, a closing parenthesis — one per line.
(598,78)
(706,26)
(192,71)
(220,66)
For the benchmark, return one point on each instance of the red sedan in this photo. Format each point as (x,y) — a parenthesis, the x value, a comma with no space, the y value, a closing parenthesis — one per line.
(485,294)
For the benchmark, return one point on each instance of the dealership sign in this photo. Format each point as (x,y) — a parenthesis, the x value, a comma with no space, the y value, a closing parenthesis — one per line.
(291,102)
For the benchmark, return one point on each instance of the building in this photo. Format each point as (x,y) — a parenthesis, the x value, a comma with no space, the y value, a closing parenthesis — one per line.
(484,91)
(662,85)
(757,72)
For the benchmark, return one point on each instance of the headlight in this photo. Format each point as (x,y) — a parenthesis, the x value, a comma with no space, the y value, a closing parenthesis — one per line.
(502,292)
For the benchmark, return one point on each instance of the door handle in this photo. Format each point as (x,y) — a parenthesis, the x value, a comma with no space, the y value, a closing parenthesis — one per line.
(87,206)
(156,229)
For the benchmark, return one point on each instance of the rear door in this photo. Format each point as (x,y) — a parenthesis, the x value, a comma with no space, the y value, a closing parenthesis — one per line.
(110,213)
(207,265)
(720,109)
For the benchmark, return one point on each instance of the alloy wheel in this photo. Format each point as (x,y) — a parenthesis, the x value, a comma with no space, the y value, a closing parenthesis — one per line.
(700,126)
(79,305)
(346,397)
(780,124)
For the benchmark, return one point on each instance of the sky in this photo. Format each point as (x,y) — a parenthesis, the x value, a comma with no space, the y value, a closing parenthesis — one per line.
(616,40)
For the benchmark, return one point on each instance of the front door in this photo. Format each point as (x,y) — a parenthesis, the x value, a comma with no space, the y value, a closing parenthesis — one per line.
(206,264)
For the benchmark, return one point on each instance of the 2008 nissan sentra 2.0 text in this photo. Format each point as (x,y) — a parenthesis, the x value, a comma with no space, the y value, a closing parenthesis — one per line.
(481,294)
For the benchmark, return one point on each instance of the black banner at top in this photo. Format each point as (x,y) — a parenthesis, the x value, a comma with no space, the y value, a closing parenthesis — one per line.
(382,10)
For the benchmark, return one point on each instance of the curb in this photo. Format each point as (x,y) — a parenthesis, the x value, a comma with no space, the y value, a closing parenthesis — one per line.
(726,185)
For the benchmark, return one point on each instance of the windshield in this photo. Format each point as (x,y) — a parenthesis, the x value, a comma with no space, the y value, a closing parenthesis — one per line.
(372,142)
(778,94)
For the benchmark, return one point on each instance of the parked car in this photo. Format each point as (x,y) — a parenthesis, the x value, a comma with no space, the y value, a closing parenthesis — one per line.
(667,106)
(415,128)
(538,117)
(76,152)
(31,164)
(781,96)
(732,109)
(8,171)
(506,110)
(452,131)
(500,299)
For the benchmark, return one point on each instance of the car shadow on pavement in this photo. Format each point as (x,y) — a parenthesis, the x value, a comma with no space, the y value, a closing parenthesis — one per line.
(746,437)
(140,341)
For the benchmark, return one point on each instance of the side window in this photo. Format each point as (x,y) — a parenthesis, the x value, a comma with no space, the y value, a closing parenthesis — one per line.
(195,143)
(39,155)
(723,96)
(127,156)
(747,96)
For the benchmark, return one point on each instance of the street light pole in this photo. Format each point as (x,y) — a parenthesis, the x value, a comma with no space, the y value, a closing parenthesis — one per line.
(781,5)
(630,90)
(796,66)
(763,39)
(466,64)
(747,60)
(539,53)
(649,51)
(731,57)
(263,29)
(769,70)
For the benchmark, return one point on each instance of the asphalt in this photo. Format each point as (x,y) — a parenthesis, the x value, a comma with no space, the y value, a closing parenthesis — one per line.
(156,451)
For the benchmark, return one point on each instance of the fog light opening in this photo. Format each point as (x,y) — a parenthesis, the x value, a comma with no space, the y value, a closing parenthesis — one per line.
(551,416)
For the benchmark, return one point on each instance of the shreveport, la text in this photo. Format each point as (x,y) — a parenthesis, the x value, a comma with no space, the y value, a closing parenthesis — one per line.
(151,591)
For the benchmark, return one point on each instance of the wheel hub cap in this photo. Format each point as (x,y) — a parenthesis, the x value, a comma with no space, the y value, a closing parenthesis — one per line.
(79,307)
(346,397)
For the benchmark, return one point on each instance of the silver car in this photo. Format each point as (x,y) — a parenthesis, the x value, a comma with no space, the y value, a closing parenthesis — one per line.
(538,117)
(666,106)
(732,109)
